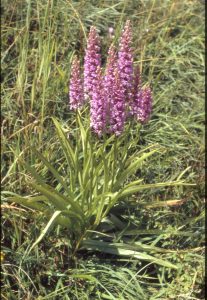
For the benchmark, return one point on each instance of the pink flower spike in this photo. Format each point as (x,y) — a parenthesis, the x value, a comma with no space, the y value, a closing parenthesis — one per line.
(144,104)
(135,90)
(98,105)
(109,78)
(92,61)
(125,60)
(117,111)
(136,81)
(76,94)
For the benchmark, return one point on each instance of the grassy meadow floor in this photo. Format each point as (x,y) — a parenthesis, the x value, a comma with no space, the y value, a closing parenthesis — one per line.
(39,39)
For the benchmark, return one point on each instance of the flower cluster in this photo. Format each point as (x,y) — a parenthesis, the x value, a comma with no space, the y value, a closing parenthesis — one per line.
(98,105)
(143,102)
(117,111)
(76,93)
(125,60)
(109,78)
(92,61)
(114,94)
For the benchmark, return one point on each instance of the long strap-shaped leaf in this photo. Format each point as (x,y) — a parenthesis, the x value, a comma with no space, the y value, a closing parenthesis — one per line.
(55,173)
(129,190)
(122,249)
(68,151)
(51,191)
(28,203)
(60,201)
(83,133)
(132,167)
(45,230)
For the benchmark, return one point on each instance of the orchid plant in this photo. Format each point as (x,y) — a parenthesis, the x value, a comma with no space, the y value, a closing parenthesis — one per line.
(99,160)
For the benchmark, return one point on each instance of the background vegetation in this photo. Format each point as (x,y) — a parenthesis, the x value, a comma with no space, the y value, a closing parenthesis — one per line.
(39,39)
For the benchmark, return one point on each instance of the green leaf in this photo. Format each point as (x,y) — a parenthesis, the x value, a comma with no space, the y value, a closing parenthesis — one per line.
(53,196)
(28,203)
(60,201)
(122,249)
(64,141)
(106,143)
(45,230)
(86,171)
(132,168)
(54,172)
(83,132)
(129,190)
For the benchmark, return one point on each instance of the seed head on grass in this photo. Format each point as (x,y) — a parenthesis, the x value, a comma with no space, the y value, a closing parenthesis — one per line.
(92,61)
(76,94)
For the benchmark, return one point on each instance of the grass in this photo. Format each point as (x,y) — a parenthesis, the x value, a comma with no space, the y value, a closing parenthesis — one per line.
(39,39)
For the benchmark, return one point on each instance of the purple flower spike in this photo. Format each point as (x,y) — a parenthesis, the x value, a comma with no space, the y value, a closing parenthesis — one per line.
(109,78)
(110,66)
(76,93)
(125,60)
(117,115)
(98,105)
(135,90)
(136,81)
(144,104)
(92,61)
